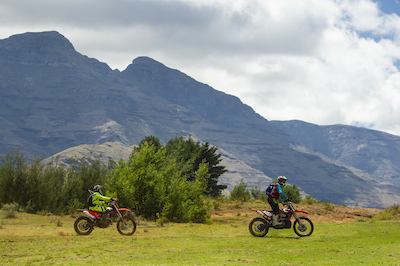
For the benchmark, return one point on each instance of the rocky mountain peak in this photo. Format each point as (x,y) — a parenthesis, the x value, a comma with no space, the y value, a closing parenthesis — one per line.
(39,41)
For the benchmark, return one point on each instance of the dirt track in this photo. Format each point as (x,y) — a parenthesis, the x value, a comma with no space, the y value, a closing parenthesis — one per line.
(317,212)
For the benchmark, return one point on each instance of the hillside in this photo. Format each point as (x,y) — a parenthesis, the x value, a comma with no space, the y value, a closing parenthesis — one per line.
(375,152)
(53,98)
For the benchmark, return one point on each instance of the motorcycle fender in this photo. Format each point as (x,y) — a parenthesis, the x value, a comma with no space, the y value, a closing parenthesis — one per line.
(124,210)
(302,212)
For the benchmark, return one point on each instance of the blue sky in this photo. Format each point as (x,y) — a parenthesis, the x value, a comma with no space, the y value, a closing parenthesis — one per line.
(389,6)
(320,61)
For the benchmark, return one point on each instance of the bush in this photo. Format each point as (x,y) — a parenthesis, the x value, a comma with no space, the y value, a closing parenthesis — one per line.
(389,213)
(217,202)
(329,206)
(310,200)
(10,210)
(258,194)
(240,193)
(293,193)
(360,219)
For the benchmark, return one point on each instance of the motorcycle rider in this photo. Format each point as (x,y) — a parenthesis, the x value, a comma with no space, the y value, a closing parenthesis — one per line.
(276,195)
(99,201)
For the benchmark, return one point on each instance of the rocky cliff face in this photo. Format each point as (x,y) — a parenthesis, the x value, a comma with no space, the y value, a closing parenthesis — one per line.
(53,98)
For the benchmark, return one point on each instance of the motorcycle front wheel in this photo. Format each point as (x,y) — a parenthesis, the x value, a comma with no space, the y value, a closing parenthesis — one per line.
(126,228)
(258,227)
(306,229)
(83,226)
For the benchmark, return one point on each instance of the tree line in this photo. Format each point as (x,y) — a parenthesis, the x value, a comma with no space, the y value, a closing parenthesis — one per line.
(156,181)
(168,182)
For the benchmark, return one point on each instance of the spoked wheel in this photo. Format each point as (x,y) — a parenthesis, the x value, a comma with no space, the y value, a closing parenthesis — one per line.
(258,227)
(83,226)
(305,229)
(126,228)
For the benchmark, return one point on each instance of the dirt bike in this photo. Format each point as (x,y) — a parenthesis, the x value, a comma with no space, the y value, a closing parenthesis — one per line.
(302,226)
(126,225)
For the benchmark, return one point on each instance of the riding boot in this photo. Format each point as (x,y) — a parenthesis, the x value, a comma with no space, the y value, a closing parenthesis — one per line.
(275,221)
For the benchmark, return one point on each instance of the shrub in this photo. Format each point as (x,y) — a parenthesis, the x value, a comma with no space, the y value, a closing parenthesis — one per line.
(10,210)
(309,199)
(240,193)
(217,202)
(388,213)
(360,219)
(329,206)
(293,193)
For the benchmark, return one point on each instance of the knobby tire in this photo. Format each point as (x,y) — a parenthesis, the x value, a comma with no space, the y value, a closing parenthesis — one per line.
(254,227)
(82,225)
(126,231)
(307,222)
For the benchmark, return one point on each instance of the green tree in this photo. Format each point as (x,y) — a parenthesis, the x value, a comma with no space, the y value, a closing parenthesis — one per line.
(82,174)
(258,194)
(190,155)
(151,140)
(13,183)
(150,182)
(293,193)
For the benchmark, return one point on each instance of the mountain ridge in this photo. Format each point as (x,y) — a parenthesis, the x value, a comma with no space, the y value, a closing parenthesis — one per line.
(63,99)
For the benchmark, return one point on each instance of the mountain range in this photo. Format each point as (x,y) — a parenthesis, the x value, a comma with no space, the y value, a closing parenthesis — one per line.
(54,100)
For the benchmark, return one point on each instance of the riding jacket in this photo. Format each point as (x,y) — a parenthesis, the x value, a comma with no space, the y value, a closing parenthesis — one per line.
(277,193)
(100,202)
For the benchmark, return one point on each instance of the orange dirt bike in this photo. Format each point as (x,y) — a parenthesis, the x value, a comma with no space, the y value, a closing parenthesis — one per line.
(126,225)
(302,226)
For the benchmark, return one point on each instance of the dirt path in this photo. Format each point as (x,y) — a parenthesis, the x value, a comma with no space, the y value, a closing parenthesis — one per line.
(317,212)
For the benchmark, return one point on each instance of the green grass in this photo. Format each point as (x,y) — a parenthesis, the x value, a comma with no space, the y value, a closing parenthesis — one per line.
(40,240)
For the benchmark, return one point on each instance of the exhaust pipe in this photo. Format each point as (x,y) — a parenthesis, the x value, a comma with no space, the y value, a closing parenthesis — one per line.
(88,214)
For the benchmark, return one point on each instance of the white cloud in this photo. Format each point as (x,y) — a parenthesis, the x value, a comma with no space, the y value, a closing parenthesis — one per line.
(321,61)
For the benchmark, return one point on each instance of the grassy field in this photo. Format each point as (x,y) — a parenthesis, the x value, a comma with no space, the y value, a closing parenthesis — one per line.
(51,240)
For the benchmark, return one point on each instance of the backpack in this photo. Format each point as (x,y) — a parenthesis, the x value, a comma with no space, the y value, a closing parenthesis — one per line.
(269,189)
(89,201)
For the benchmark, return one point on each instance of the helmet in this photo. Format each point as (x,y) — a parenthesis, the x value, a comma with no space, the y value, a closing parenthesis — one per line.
(98,188)
(282,180)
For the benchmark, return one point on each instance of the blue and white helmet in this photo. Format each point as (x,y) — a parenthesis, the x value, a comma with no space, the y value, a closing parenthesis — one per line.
(282,180)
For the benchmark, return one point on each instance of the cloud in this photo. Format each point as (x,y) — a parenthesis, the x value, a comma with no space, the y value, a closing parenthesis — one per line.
(320,61)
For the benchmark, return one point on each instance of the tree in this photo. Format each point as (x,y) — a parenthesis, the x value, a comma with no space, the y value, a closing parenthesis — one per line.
(150,182)
(257,193)
(291,191)
(13,178)
(81,175)
(151,140)
(190,155)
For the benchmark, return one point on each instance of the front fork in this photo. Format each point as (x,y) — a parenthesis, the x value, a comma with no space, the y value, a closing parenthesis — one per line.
(120,215)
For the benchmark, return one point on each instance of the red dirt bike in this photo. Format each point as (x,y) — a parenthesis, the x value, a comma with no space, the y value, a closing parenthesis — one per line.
(302,226)
(126,225)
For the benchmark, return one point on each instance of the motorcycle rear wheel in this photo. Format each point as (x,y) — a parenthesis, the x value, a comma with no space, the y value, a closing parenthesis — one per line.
(126,229)
(258,227)
(305,230)
(82,225)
